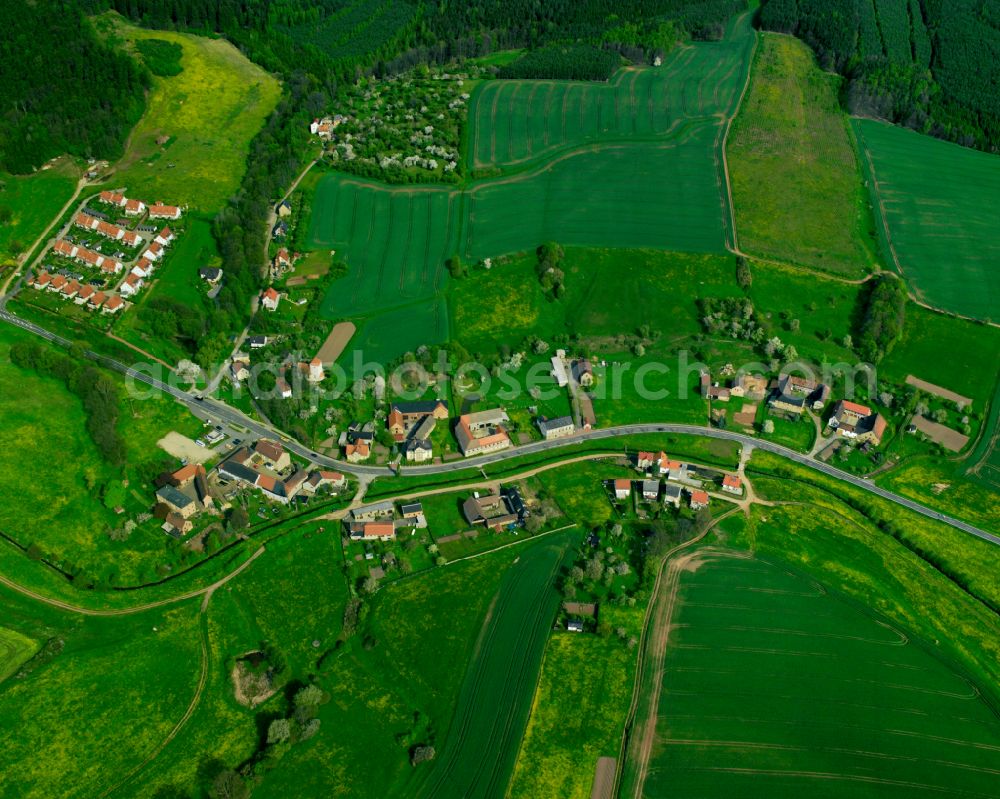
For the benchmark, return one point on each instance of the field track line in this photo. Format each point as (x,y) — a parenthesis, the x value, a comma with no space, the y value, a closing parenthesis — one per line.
(510,120)
(493,127)
(427,243)
(735,242)
(834,777)
(58,603)
(528,138)
(385,250)
(545,118)
(404,261)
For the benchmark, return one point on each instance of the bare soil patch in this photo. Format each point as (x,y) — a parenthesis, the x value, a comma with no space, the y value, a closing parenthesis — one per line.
(604,778)
(182,447)
(939,434)
(937,391)
(336,342)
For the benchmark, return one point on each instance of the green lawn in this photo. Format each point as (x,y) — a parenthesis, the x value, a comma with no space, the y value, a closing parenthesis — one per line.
(796,183)
(33,202)
(209,113)
(935,201)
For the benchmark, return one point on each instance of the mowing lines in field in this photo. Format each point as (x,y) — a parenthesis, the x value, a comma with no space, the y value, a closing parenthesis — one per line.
(773,685)
(481,747)
(937,206)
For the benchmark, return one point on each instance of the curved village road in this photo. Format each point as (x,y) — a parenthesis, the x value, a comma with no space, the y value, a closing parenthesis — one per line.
(207,407)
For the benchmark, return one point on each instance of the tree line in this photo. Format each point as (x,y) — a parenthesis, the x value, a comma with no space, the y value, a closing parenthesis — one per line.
(97,391)
(884,317)
(932,66)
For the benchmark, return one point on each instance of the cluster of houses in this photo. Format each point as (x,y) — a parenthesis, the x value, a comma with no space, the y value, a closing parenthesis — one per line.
(411,425)
(505,510)
(135,208)
(663,479)
(574,375)
(180,496)
(72,287)
(790,396)
(268,467)
(379,521)
(83,294)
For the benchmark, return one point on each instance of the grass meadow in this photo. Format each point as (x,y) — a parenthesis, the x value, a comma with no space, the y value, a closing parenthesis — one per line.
(33,201)
(579,709)
(208,114)
(797,189)
(935,201)
(15,649)
(63,514)
(149,663)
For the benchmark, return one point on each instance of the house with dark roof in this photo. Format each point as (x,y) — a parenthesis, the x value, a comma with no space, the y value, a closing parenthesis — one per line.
(556,428)
(672,494)
(210,274)
(491,511)
(177,501)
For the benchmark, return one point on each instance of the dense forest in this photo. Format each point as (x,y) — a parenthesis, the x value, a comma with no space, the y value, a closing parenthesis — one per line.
(63,90)
(933,65)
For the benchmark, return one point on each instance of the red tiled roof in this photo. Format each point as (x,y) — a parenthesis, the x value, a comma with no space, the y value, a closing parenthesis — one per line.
(853,407)
(380,529)
(700,497)
(114,303)
(622,485)
(731,481)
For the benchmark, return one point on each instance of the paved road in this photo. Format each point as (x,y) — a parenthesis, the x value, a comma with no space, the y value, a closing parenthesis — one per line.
(222,413)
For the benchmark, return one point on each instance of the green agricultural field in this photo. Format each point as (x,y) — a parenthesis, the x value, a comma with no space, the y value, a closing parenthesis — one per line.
(580,706)
(754,643)
(643,170)
(513,122)
(32,202)
(208,114)
(478,755)
(936,202)
(796,183)
(14,650)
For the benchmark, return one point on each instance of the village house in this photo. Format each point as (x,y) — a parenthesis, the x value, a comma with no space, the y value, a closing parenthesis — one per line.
(210,274)
(583,372)
(490,510)
(239,371)
(270,299)
(85,293)
(318,479)
(97,300)
(732,484)
(418,450)
(556,428)
(324,127)
(672,494)
(158,211)
(131,285)
(815,395)
(713,390)
(482,432)
(857,422)
(113,305)
(374,512)
(357,451)
(134,207)
(71,289)
(699,500)
(650,490)
(177,501)
(112,198)
(154,252)
(164,237)
(283,259)
(283,387)
(57,283)
(42,280)
(273,454)
(751,387)
(623,489)
(406,417)
(559,369)
(283,209)
(312,371)
(371,531)
(257,342)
